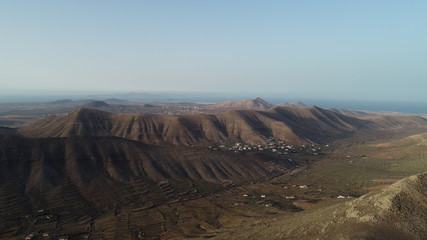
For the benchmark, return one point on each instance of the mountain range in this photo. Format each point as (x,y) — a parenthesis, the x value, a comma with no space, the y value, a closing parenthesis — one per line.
(93,173)
(294,125)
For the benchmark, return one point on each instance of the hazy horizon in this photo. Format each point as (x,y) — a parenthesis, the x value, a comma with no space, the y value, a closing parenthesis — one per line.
(415,107)
(341,50)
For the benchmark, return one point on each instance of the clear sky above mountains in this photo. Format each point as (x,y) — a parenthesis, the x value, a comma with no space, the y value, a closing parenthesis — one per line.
(318,49)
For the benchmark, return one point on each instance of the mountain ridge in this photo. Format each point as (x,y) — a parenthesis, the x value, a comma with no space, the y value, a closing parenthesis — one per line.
(254,104)
(294,125)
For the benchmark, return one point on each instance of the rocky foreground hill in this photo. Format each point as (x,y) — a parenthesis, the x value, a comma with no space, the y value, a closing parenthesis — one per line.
(397,212)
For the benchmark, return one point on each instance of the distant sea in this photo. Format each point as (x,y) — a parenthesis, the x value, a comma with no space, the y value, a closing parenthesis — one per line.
(387,106)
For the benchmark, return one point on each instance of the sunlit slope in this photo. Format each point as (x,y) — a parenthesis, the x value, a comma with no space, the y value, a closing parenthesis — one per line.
(395,212)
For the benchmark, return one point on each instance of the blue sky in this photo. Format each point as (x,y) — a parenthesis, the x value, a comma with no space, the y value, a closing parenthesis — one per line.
(366,50)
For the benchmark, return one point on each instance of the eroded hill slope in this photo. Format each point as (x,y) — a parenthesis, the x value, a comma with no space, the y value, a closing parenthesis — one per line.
(111,165)
(294,125)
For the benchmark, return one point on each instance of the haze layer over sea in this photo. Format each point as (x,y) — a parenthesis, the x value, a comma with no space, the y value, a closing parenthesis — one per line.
(374,105)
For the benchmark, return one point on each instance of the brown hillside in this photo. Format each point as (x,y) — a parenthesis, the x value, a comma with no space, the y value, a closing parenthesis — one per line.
(41,167)
(295,125)
(254,104)
(44,162)
(396,121)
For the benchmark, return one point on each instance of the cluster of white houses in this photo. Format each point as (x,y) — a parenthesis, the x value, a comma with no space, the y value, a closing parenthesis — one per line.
(276,147)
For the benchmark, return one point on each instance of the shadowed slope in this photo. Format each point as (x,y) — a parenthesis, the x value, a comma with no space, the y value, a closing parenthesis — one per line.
(42,161)
(96,104)
(88,176)
(316,124)
(6,130)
